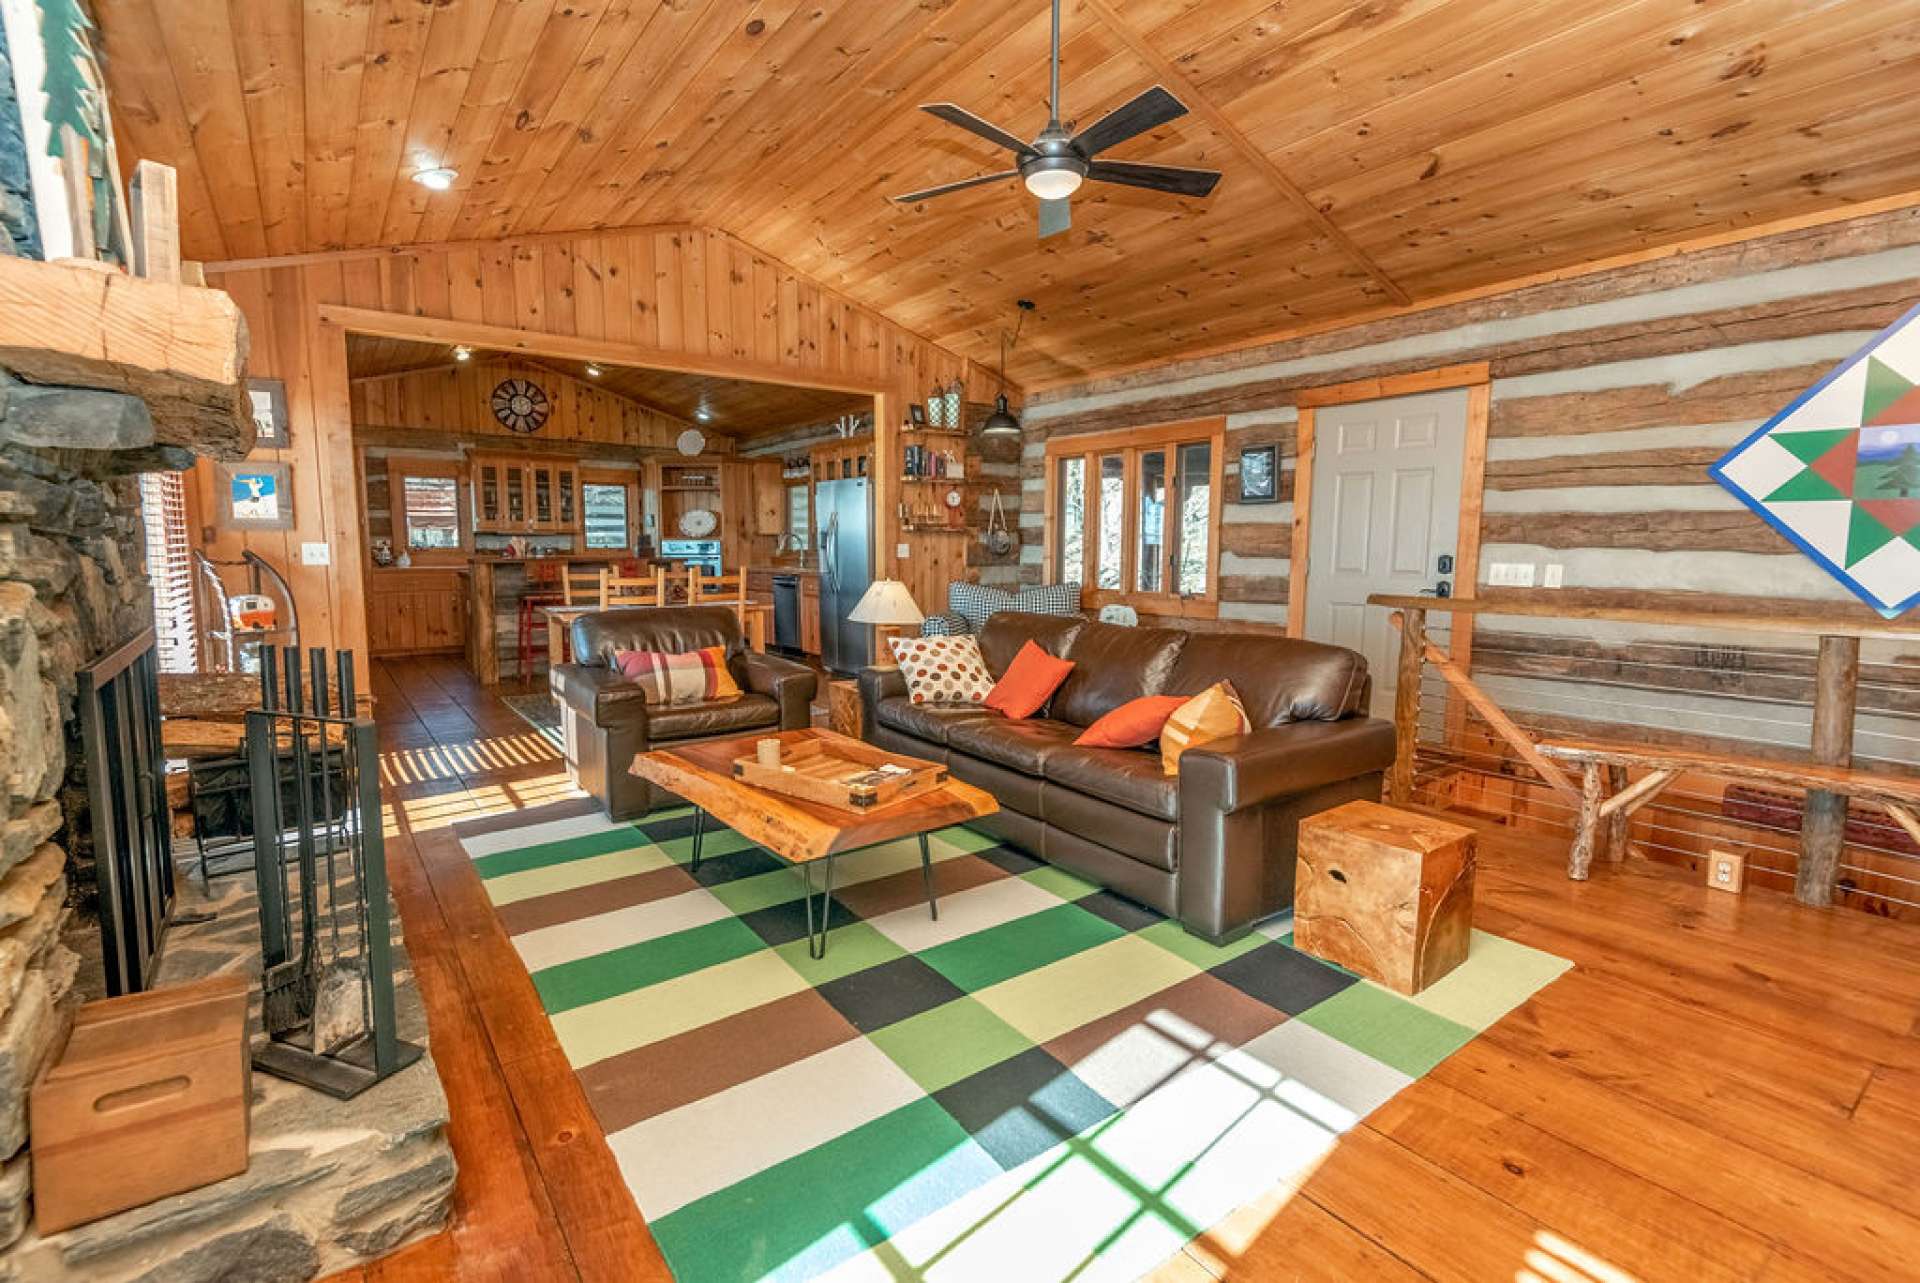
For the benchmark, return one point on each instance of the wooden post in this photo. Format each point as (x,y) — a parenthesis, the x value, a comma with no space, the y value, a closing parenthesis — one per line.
(156,222)
(1580,859)
(1406,705)
(1617,826)
(1836,682)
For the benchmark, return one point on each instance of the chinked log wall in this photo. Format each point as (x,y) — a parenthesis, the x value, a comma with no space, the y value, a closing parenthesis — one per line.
(1611,393)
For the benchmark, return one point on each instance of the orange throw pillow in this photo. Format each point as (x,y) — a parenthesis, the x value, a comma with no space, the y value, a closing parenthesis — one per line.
(1029,682)
(1136,722)
(1215,713)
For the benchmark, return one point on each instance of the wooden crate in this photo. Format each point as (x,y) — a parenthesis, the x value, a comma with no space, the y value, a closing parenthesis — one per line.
(149,1098)
(1385,893)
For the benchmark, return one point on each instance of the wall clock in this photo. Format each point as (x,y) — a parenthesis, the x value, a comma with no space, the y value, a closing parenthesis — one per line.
(521,406)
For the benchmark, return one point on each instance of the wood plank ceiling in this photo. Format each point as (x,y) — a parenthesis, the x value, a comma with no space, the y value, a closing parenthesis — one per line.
(738,408)
(1374,152)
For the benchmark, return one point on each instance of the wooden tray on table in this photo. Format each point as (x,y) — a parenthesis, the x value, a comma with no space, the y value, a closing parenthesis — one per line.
(844,774)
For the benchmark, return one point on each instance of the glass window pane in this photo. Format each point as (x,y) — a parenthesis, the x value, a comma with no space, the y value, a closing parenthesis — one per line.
(606,510)
(1113,518)
(433,512)
(1070,566)
(1149,558)
(1194,491)
(799,516)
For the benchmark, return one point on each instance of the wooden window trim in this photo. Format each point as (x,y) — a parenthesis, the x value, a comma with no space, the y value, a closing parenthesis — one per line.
(399,468)
(1129,444)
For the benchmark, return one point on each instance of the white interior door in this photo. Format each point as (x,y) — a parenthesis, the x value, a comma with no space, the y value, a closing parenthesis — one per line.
(1385,508)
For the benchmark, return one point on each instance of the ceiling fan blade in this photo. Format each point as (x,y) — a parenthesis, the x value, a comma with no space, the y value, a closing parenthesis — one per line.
(1149,110)
(960,186)
(1160,178)
(1056,216)
(954,114)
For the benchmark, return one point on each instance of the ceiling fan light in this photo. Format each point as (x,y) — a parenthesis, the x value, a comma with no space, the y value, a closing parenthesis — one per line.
(1054,184)
(1001,422)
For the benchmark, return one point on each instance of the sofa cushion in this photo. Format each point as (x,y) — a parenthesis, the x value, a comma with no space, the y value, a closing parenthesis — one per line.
(929,722)
(1009,630)
(697,677)
(1129,776)
(713,717)
(1028,683)
(1022,746)
(1145,838)
(675,629)
(1113,665)
(942,670)
(1214,714)
(977,603)
(1279,679)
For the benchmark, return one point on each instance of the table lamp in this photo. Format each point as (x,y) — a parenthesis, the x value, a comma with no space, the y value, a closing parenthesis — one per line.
(888,605)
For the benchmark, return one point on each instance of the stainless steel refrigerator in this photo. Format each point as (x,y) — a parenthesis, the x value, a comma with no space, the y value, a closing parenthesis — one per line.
(843,511)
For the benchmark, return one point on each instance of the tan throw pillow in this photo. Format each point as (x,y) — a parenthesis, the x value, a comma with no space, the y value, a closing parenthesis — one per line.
(942,670)
(1213,714)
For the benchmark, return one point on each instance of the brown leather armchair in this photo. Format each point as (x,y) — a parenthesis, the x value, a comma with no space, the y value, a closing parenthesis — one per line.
(1212,846)
(606,721)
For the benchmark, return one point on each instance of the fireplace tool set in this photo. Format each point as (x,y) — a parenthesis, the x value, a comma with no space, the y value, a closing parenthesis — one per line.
(326,928)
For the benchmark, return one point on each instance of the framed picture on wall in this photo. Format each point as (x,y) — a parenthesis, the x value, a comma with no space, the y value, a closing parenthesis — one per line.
(1260,474)
(256,496)
(268,400)
(917,414)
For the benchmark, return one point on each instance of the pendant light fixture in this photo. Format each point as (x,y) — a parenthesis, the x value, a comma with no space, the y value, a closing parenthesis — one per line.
(1001,422)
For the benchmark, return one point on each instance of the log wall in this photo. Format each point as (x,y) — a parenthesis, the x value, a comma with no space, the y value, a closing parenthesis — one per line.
(1611,394)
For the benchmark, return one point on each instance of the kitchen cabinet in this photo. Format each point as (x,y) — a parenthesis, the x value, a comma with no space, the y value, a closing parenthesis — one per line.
(810,614)
(416,612)
(525,496)
(769,497)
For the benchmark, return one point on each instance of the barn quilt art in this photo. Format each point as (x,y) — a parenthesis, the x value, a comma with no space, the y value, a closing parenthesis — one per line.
(1838,471)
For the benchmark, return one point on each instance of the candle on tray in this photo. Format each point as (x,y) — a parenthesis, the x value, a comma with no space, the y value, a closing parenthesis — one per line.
(768,752)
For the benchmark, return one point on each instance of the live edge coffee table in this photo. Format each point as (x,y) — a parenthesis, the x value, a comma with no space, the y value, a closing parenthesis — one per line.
(803,832)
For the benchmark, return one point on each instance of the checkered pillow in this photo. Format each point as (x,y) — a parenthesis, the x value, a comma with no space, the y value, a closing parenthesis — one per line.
(691,678)
(942,670)
(947,625)
(977,603)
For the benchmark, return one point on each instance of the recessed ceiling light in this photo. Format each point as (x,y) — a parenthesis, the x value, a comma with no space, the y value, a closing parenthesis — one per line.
(703,414)
(461,352)
(593,371)
(438,179)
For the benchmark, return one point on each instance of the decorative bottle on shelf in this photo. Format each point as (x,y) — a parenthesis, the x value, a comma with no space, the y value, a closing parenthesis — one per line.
(955,468)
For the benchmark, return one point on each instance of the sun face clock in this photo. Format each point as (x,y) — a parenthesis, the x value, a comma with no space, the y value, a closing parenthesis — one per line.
(521,406)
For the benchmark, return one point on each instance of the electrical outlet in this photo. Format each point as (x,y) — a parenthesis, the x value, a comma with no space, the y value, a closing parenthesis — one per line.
(1726,870)
(1556,576)
(315,554)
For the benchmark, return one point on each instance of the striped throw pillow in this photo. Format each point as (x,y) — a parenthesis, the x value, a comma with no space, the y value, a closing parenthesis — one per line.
(691,678)
(1215,713)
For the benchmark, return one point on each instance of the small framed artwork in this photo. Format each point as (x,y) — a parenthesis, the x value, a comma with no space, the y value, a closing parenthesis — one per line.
(916,414)
(268,400)
(1260,474)
(256,496)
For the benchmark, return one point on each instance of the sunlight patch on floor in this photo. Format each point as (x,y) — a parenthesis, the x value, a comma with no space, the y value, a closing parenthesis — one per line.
(465,758)
(1553,1259)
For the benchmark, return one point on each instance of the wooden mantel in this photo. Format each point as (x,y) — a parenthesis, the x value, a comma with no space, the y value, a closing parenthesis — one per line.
(180,348)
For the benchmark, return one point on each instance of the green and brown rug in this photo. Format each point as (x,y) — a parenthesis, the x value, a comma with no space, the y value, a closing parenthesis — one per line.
(1050,1082)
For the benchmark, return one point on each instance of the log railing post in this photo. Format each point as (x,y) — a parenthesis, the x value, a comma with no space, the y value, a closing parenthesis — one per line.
(1406,705)
(1823,831)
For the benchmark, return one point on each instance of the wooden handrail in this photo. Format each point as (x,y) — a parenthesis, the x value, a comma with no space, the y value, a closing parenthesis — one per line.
(1547,607)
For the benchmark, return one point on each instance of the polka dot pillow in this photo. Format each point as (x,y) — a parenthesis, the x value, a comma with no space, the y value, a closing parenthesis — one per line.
(942,670)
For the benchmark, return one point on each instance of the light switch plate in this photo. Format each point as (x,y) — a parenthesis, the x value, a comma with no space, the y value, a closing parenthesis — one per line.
(315,554)
(1555,576)
(1726,870)
(902,551)
(1510,574)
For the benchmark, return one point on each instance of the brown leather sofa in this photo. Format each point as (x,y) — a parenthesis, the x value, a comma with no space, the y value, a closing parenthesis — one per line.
(1214,846)
(606,721)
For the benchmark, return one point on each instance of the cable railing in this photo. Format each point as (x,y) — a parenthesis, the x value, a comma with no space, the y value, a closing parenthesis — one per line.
(1765,697)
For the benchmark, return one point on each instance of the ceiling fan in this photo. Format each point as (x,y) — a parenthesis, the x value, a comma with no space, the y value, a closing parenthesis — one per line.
(1055,164)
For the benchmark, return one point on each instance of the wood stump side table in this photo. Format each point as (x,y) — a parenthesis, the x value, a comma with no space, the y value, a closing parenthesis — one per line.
(843,709)
(1385,893)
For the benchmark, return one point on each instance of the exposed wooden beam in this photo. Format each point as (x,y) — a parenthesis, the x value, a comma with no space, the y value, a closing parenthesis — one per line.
(1204,107)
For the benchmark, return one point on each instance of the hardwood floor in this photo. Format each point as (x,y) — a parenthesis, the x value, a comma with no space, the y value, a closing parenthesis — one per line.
(1723,1088)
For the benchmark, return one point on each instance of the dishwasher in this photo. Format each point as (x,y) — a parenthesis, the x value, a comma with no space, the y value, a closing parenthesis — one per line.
(786,614)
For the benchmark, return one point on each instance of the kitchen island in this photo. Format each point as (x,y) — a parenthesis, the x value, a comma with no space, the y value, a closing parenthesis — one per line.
(495,588)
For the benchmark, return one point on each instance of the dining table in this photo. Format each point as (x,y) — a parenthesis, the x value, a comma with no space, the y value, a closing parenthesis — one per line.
(756,620)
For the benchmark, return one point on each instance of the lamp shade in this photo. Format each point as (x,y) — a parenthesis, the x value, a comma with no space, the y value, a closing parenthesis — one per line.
(1001,422)
(887,601)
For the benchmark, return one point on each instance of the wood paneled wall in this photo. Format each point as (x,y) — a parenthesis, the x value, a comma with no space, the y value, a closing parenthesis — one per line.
(649,296)
(457,398)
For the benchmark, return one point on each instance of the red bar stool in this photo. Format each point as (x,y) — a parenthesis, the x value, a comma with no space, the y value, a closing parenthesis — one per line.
(543,588)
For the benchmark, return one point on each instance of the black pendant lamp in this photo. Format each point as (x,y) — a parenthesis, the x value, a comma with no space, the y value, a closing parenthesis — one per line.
(1001,422)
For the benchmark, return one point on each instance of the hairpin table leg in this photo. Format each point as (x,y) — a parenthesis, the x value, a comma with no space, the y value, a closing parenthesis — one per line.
(817,941)
(699,831)
(926,876)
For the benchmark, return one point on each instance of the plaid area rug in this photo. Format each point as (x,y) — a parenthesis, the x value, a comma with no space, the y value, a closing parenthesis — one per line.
(1050,1082)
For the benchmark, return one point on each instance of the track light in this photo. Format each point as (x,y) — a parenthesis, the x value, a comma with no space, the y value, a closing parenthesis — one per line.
(461,352)
(593,371)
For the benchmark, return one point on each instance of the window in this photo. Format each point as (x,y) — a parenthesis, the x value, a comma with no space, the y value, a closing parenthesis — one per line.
(163,511)
(429,518)
(605,504)
(1146,536)
(799,514)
